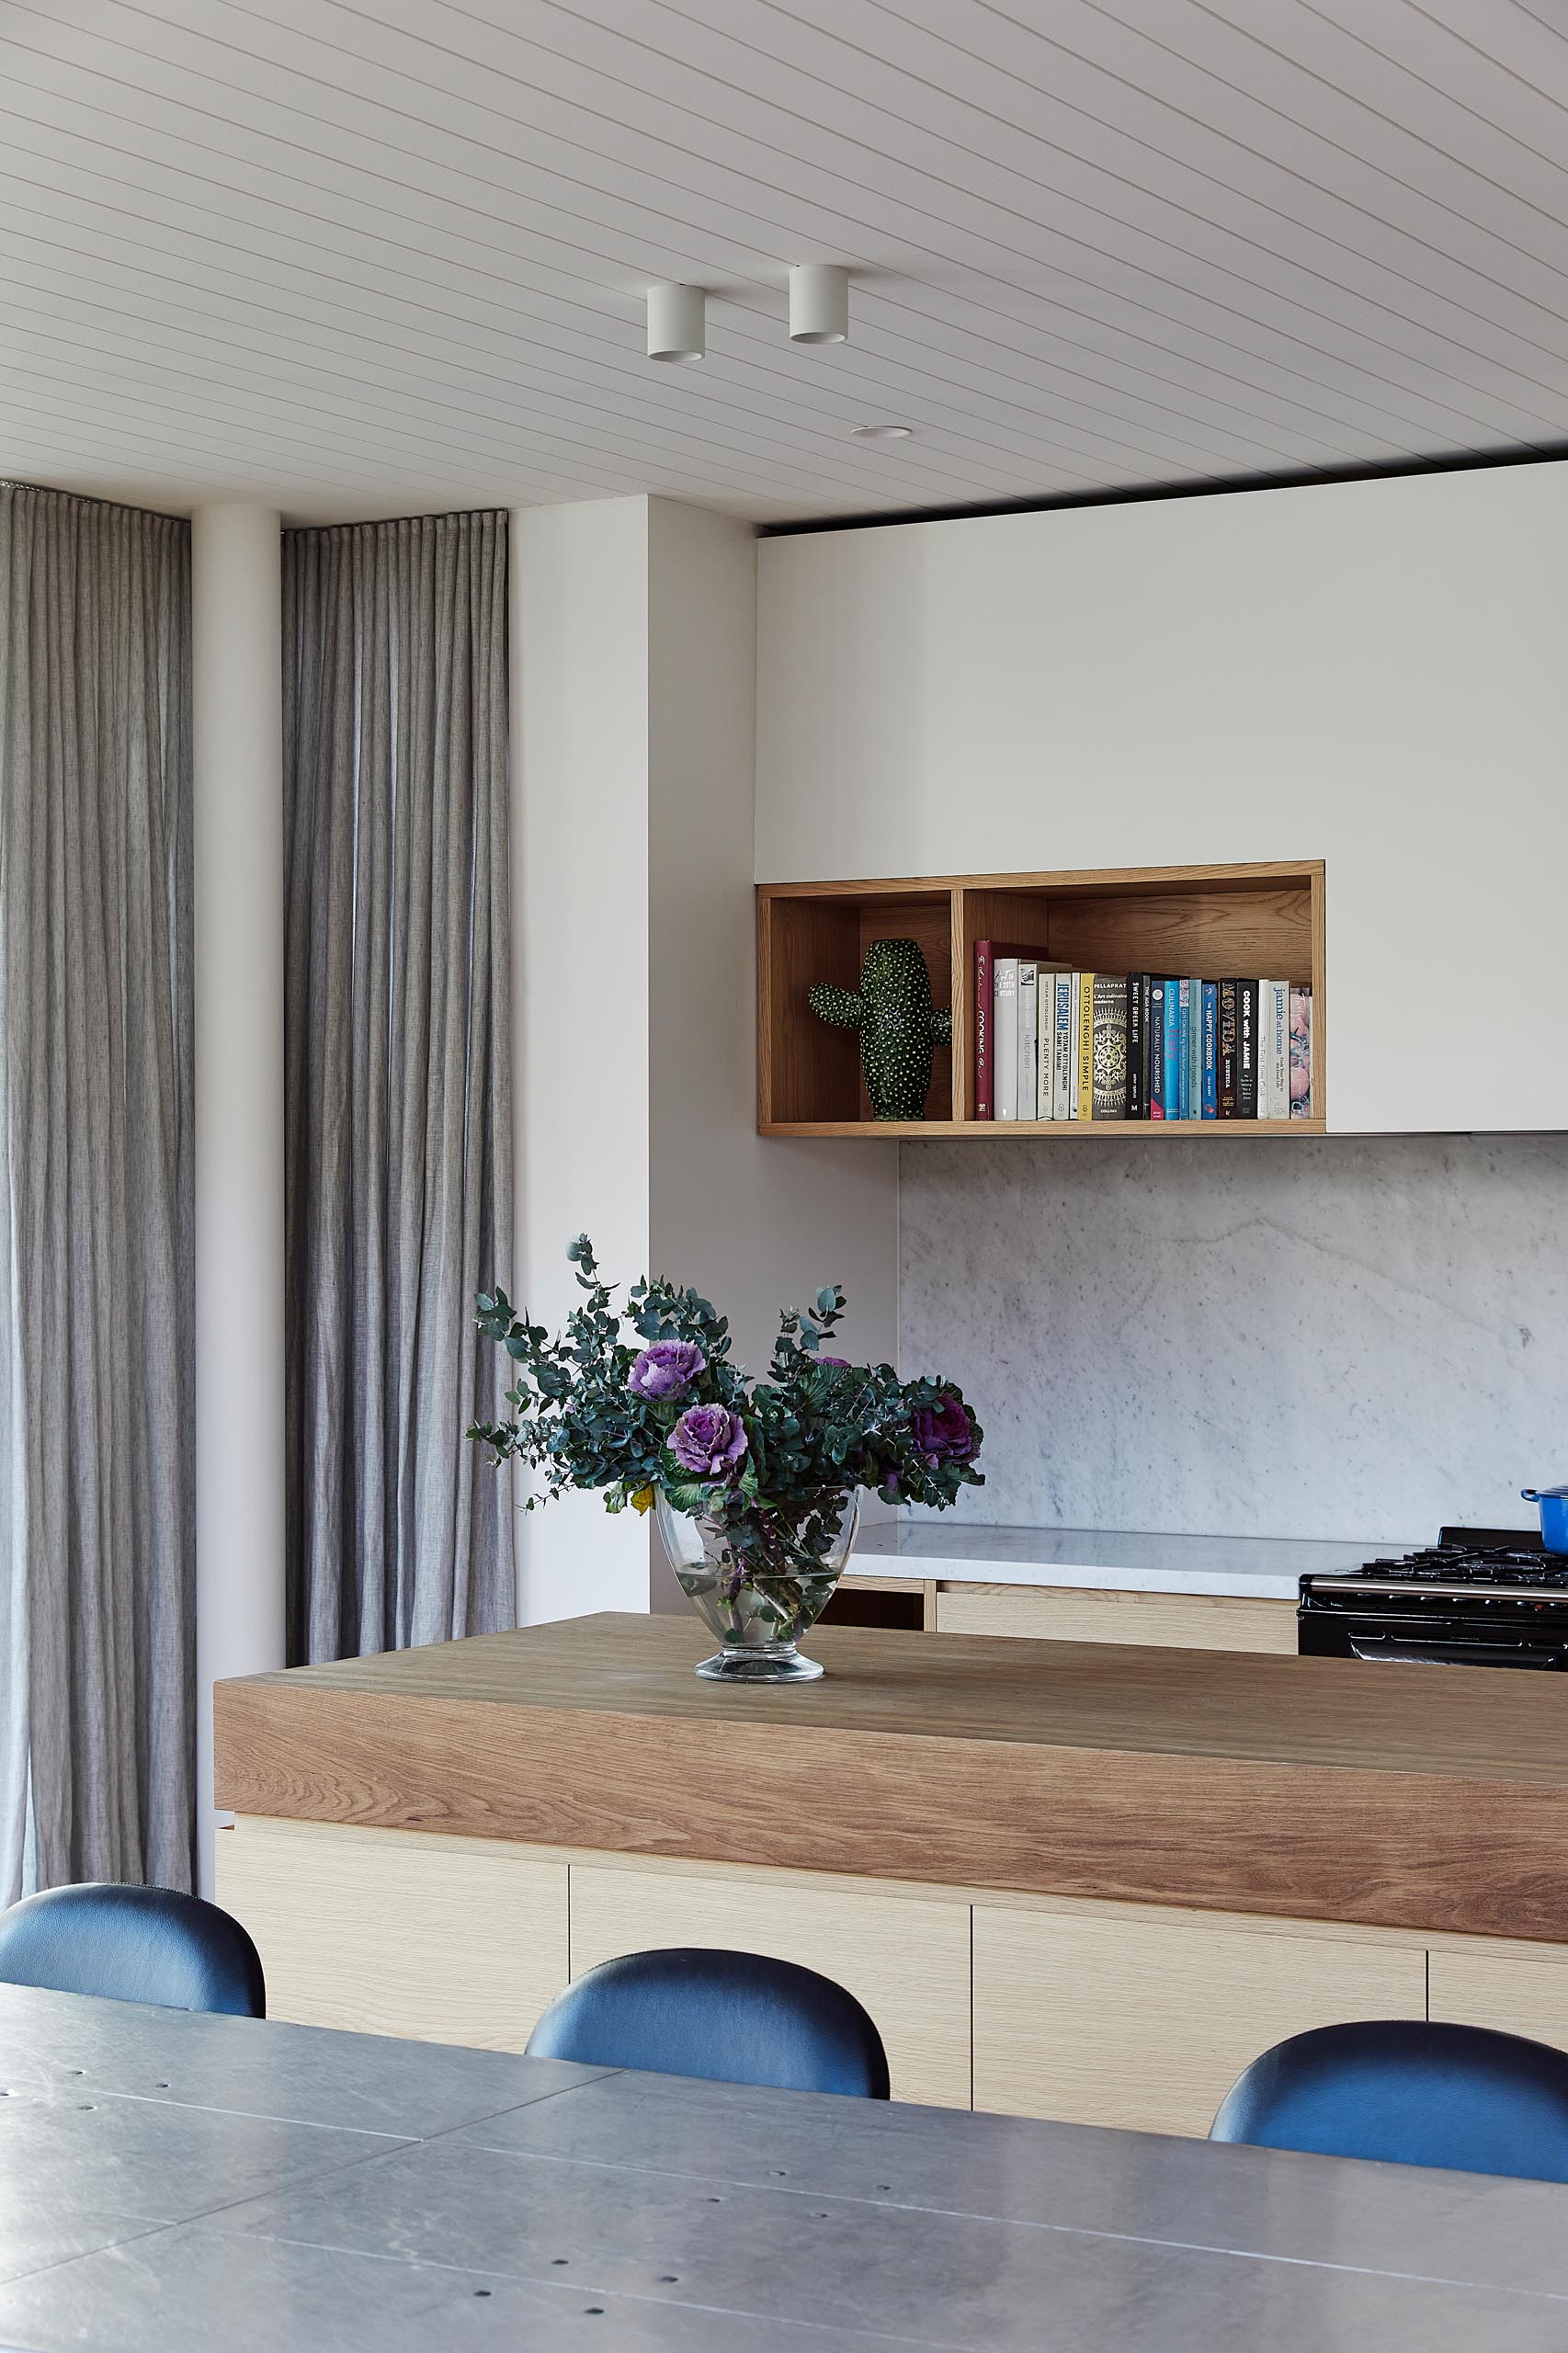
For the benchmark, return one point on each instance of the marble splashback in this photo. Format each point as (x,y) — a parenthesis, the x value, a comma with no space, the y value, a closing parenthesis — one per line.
(1335,1338)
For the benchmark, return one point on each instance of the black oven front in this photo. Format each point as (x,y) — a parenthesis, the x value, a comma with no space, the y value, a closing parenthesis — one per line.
(1413,1628)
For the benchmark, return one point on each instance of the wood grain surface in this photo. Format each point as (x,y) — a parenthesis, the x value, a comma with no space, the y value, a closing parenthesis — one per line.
(440,1940)
(805,1068)
(1212,919)
(1306,1788)
(1147,2025)
(1513,1994)
(1065,1613)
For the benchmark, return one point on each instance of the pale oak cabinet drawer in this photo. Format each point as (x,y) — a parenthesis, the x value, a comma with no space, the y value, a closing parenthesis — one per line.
(400,1932)
(1196,1622)
(1513,1994)
(1103,2019)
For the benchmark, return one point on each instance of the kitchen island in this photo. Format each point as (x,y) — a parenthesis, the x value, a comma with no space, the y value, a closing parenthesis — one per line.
(1067,1879)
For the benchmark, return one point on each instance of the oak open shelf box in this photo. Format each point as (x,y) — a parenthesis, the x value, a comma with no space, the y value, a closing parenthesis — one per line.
(1217,920)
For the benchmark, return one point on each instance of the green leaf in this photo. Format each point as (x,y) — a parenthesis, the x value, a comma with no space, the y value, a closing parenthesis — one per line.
(815,1433)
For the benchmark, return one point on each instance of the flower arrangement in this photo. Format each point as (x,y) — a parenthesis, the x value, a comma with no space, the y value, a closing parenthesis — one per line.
(766,1466)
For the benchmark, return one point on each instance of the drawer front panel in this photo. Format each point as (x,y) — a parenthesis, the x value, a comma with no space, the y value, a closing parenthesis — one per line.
(1101,2020)
(1197,1622)
(1513,1996)
(398,1932)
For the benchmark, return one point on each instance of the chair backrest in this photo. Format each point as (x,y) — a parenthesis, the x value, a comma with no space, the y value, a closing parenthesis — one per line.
(132,1944)
(736,2018)
(1410,2091)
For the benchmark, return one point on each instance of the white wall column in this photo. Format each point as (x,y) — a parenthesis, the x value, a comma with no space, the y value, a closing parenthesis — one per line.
(578,578)
(237,700)
(755,1222)
(633,653)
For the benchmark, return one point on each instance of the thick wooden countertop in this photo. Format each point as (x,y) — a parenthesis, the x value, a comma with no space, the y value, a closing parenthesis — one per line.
(1417,1797)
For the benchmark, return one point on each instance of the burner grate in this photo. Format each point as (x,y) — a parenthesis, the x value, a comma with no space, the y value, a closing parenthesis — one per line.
(1472,1564)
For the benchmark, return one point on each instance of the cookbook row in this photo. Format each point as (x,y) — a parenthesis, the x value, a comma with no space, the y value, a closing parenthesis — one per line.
(1055,1044)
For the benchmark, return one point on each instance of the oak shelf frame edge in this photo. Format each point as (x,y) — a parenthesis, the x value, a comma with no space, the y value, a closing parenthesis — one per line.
(783,1038)
(1092,881)
(925,1131)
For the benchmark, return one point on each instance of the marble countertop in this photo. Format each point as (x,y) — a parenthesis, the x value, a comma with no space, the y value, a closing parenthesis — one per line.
(170,2182)
(1109,1561)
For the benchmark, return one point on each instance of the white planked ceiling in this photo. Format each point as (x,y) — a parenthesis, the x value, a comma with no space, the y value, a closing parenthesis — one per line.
(374,258)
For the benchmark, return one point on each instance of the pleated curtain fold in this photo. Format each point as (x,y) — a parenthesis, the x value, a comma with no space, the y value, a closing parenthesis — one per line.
(399,1124)
(97,1405)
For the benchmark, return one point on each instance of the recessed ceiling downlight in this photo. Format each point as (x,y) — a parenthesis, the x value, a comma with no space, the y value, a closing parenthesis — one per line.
(881,432)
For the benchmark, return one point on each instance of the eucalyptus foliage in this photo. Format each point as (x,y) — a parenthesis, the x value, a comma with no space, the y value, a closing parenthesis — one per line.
(792,1444)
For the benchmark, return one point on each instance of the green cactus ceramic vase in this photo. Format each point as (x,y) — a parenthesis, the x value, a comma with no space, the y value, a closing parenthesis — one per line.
(898,1026)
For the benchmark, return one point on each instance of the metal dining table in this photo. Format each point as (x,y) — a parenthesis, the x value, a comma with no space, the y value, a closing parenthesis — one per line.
(172,2182)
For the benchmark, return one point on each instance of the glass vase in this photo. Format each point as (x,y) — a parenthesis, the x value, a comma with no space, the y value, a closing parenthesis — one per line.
(756,1587)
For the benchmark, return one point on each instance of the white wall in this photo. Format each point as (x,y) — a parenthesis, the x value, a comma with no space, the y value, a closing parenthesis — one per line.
(633,643)
(1370,673)
(754,1223)
(238,995)
(579,694)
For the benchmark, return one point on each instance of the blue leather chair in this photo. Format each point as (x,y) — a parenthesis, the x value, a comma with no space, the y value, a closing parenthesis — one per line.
(735,2018)
(1408,2092)
(132,1944)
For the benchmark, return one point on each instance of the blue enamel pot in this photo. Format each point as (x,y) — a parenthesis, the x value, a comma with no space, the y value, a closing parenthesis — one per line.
(1553,1507)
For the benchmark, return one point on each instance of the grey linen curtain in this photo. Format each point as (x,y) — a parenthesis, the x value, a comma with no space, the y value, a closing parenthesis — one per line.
(399,1078)
(96,1406)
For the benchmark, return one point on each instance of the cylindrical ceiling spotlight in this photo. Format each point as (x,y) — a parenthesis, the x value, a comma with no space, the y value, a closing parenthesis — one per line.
(819,303)
(675,322)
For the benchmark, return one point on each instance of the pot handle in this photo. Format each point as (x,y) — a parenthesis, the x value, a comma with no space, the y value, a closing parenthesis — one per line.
(1529,1495)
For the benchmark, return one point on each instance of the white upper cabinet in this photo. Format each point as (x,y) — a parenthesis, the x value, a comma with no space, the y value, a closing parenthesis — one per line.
(1371,674)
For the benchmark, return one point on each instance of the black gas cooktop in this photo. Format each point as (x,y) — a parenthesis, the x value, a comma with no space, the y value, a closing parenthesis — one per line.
(1467,1565)
(1480,1597)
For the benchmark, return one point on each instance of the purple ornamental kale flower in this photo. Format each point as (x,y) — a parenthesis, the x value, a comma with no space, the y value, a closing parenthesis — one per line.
(709,1440)
(842,1363)
(665,1368)
(943,1432)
